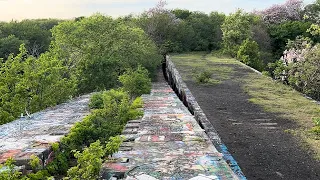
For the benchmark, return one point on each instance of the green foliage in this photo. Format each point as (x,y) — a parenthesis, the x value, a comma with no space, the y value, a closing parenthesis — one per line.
(137,103)
(113,144)
(55,147)
(136,82)
(249,54)
(277,69)
(29,84)
(207,30)
(203,77)
(316,121)
(60,164)
(106,48)
(89,163)
(311,12)
(103,123)
(34,33)
(40,175)
(96,101)
(10,173)
(9,45)
(316,128)
(236,28)
(35,163)
(304,74)
(289,30)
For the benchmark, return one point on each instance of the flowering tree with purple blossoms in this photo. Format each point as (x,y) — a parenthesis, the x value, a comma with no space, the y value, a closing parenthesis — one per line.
(279,13)
(300,66)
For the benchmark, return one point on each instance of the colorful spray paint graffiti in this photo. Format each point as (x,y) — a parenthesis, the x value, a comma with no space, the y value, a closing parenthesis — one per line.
(167,143)
(33,136)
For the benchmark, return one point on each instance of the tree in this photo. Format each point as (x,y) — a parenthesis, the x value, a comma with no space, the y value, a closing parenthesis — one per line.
(136,82)
(9,45)
(291,10)
(98,49)
(181,13)
(29,84)
(288,30)
(261,36)
(311,12)
(35,33)
(249,54)
(159,23)
(89,163)
(236,28)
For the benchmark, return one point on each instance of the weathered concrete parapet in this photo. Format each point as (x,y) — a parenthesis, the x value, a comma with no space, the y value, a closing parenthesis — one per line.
(175,81)
(33,136)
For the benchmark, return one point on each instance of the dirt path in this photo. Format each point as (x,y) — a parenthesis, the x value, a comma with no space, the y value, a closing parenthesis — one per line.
(256,139)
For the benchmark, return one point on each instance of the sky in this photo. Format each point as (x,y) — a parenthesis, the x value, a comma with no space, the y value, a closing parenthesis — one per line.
(67,9)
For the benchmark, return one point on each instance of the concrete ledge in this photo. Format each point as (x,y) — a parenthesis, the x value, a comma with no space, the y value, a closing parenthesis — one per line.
(175,81)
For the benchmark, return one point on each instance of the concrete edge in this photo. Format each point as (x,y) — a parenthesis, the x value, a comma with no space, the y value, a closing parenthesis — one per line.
(178,85)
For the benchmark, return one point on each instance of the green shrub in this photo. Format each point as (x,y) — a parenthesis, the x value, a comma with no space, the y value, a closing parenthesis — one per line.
(249,54)
(89,163)
(10,173)
(137,103)
(136,82)
(96,101)
(105,122)
(35,163)
(113,145)
(203,77)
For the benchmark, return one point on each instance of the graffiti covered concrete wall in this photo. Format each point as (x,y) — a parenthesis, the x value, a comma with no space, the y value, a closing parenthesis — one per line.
(175,80)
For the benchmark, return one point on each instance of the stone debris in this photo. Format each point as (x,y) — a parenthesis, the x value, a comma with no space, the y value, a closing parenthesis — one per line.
(33,136)
(167,143)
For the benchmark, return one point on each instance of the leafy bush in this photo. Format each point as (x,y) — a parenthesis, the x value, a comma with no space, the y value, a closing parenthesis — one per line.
(113,145)
(136,82)
(35,163)
(10,173)
(105,122)
(89,162)
(96,101)
(249,54)
(31,84)
(203,77)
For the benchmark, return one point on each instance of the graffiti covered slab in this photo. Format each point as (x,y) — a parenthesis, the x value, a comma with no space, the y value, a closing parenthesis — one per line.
(34,135)
(167,143)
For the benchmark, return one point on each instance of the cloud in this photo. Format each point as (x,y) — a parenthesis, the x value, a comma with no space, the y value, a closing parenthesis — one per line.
(66,9)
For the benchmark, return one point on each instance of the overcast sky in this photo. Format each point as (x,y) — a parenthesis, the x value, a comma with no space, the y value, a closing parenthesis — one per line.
(66,9)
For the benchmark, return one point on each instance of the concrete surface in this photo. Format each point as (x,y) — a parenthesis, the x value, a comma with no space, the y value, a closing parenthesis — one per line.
(33,136)
(167,143)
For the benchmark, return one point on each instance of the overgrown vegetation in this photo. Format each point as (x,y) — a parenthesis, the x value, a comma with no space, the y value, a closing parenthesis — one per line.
(45,62)
(74,65)
(89,141)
